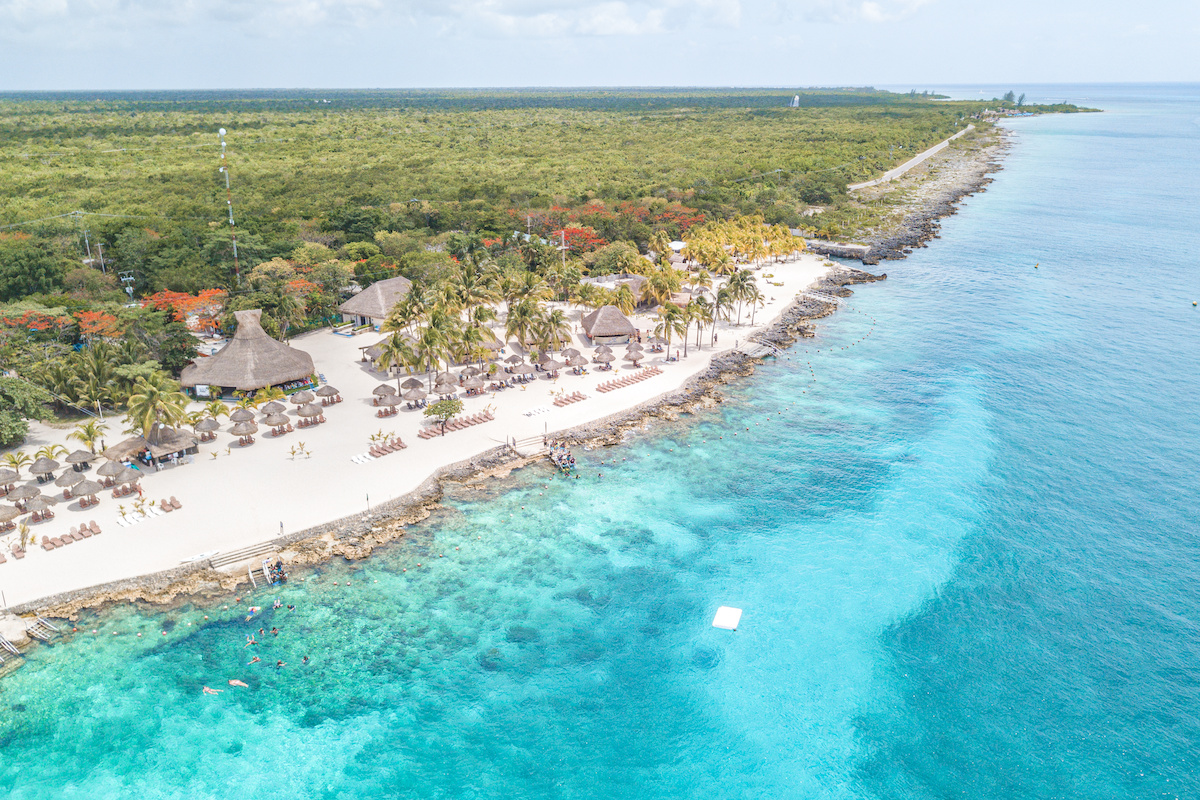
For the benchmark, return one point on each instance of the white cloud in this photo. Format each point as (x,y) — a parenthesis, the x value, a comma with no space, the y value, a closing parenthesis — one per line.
(849,11)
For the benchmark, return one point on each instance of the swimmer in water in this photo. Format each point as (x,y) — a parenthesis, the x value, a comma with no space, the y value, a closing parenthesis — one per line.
(254,660)
(291,607)
(275,631)
(250,640)
(236,682)
(279,664)
(305,661)
(207,690)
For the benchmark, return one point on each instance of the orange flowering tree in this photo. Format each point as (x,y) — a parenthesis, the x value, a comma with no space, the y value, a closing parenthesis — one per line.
(97,325)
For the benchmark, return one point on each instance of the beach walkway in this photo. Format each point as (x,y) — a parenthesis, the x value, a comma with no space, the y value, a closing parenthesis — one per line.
(916,160)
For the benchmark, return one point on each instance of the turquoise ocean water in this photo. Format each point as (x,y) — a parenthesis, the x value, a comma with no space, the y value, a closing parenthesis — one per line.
(968,554)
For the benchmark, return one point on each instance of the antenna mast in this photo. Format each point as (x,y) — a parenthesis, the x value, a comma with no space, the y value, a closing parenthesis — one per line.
(237,272)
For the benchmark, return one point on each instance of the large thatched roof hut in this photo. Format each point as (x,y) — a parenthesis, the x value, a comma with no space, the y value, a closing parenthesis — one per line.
(252,360)
(607,325)
(161,443)
(372,305)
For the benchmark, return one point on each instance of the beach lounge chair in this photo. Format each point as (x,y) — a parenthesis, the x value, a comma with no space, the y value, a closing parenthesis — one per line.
(18,553)
(95,527)
(47,545)
(60,542)
(72,531)
(174,504)
(85,532)
(166,506)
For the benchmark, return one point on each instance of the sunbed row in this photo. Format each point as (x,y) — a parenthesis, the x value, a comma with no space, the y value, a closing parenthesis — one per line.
(456,424)
(392,446)
(567,399)
(85,531)
(629,380)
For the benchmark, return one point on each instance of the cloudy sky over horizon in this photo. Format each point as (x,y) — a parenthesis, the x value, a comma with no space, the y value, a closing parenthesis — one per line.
(188,44)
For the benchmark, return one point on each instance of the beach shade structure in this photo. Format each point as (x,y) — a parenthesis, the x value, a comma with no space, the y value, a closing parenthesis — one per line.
(552,365)
(68,479)
(514,359)
(577,361)
(603,349)
(111,469)
(474,382)
(204,426)
(382,390)
(656,340)
(391,400)
(244,428)
(445,388)
(8,477)
(569,352)
(544,357)
(251,361)
(312,409)
(412,383)
(445,377)
(80,459)
(40,503)
(276,420)
(415,394)
(241,415)
(633,346)
(635,357)
(131,475)
(23,493)
(469,371)
(326,391)
(273,407)
(523,369)
(303,398)
(9,513)
(43,466)
(87,488)
(604,358)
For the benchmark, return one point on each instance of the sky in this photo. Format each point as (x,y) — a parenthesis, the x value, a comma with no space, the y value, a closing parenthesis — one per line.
(215,44)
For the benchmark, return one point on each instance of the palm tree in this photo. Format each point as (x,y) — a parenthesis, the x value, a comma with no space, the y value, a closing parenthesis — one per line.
(51,451)
(702,312)
(755,298)
(216,409)
(723,307)
(194,418)
(151,408)
(16,460)
(246,401)
(553,329)
(267,394)
(288,311)
(624,300)
(702,280)
(88,434)
(397,352)
(522,319)
(671,323)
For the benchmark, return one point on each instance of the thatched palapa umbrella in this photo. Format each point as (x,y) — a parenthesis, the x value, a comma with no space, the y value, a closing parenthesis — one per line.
(552,365)
(635,357)
(129,475)
(470,371)
(241,415)
(604,358)
(415,395)
(523,369)
(244,428)
(204,426)
(569,352)
(273,407)
(111,469)
(43,466)
(327,391)
(87,489)
(8,477)
(303,398)
(391,400)
(309,410)
(80,459)
(474,382)
(276,420)
(413,383)
(9,513)
(22,493)
(513,359)
(383,389)
(40,503)
(577,361)
(68,479)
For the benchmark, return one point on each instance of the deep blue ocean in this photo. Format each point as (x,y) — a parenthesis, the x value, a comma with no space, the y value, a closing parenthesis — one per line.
(966,545)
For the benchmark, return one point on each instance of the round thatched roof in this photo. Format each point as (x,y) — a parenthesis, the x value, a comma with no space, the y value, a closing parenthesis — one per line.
(43,466)
(635,357)
(633,346)
(209,424)
(412,383)
(8,476)
(9,513)
(111,469)
(474,382)
(383,390)
(327,391)
(68,479)
(554,365)
(414,394)
(391,400)
(129,475)
(41,503)
(80,457)
(276,420)
(309,410)
(604,358)
(577,361)
(24,492)
(302,398)
(469,371)
(273,407)
(603,349)
(88,488)
(523,369)
(244,428)
(252,360)
(513,359)
(569,352)
(241,415)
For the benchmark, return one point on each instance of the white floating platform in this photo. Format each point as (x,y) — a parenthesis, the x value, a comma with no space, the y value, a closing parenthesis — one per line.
(727,618)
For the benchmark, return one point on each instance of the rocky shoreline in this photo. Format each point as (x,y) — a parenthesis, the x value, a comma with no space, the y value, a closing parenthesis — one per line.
(356,537)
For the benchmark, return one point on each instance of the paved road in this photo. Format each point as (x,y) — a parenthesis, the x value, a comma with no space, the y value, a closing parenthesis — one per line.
(892,174)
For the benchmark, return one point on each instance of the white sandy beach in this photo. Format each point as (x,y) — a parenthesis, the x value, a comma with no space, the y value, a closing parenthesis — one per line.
(234,497)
